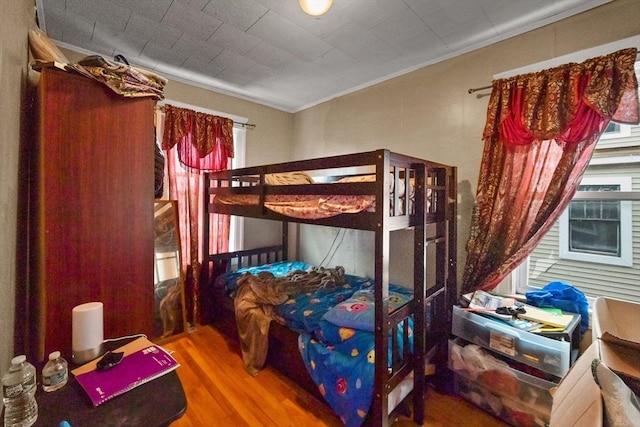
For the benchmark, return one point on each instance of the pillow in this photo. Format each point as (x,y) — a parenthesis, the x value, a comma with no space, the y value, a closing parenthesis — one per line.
(621,405)
(358,312)
(288,178)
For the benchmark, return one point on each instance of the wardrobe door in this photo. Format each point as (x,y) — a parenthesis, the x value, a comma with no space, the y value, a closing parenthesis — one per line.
(94,209)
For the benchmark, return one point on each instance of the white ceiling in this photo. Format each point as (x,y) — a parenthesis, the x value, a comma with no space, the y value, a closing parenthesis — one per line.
(271,52)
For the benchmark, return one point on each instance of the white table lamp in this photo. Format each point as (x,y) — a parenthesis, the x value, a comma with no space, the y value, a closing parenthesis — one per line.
(88,332)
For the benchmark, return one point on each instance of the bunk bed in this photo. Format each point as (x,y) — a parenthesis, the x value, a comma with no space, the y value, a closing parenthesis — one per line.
(378,191)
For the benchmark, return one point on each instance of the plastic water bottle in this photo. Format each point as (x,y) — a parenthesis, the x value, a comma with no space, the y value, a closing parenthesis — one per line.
(55,372)
(18,393)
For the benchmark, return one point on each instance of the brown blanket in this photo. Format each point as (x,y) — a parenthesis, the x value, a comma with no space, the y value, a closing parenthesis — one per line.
(256,297)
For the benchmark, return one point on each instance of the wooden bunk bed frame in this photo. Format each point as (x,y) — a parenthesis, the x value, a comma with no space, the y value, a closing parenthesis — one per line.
(433,219)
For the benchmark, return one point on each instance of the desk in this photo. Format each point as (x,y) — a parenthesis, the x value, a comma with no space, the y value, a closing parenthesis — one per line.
(156,403)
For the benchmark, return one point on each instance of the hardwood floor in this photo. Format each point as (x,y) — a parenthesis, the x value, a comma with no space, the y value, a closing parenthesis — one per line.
(220,393)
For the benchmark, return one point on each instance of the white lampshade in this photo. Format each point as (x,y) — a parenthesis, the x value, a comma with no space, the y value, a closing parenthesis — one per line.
(87,332)
(315,7)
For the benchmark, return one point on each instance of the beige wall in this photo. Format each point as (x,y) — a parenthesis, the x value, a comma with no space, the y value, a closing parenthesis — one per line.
(15,20)
(429,114)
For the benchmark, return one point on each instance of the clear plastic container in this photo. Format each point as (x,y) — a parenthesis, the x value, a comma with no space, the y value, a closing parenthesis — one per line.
(18,394)
(55,372)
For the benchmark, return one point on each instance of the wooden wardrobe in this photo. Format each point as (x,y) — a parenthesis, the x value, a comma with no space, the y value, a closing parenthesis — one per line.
(91,194)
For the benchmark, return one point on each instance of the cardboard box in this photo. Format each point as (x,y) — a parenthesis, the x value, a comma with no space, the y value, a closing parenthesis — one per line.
(577,400)
(615,326)
(617,317)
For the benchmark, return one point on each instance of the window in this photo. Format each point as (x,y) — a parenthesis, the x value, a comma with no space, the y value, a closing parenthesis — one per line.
(598,230)
(236,228)
(592,245)
(594,225)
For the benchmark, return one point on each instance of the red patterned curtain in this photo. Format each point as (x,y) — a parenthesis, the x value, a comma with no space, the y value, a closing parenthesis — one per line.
(540,133)
(204,141)
(186,135)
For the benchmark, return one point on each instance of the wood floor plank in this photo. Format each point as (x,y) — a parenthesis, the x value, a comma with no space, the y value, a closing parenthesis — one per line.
(221,393)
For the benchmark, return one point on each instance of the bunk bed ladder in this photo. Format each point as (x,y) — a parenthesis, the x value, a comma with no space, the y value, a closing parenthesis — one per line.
(384,324)
(419,293)
(452,216)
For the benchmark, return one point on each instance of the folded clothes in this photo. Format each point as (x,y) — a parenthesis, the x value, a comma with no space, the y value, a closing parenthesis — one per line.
(123,79)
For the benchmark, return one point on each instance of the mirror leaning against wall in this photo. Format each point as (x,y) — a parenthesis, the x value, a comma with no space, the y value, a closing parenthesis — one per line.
(169,313)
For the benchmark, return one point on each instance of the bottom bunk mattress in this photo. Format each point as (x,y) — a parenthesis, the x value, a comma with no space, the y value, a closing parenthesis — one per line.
(334,314)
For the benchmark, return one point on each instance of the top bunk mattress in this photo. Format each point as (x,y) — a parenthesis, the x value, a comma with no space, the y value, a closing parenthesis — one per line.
(328,187)
(315,206)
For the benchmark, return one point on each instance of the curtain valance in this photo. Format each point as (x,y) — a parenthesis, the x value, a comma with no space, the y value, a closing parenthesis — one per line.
(569,103)
(203,139)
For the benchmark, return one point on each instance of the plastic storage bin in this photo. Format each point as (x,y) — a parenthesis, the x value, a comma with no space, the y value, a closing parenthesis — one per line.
(548,354)
(516,397)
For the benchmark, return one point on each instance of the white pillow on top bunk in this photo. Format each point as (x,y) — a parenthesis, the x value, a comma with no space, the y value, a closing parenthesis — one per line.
(288,178)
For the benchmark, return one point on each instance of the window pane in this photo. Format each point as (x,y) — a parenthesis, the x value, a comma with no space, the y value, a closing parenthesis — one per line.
(600,237)
(611,210)
(599,187)
(612,127)
(592,209)
(576,210)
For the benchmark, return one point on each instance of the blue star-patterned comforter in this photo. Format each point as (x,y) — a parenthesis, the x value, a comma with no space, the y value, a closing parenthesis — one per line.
(336,335)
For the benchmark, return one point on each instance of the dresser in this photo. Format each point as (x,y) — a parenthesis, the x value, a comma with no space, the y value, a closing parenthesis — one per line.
(91,195)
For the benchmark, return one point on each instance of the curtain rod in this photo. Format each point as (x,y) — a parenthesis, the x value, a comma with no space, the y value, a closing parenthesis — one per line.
(479,88)
(245,125)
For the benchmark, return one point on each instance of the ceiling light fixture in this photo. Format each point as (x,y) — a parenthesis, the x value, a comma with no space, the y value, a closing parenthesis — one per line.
(315,7)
